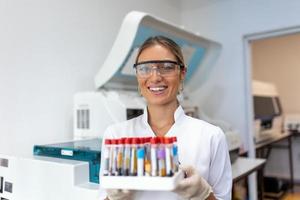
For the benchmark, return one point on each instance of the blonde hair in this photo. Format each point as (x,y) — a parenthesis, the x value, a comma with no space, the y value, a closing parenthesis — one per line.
(172,46)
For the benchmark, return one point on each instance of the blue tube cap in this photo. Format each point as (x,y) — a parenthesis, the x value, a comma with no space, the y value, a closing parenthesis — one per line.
(175,150)
(141,153)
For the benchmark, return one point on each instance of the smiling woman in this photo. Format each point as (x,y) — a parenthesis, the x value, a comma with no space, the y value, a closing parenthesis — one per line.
(160,71)
(160,88)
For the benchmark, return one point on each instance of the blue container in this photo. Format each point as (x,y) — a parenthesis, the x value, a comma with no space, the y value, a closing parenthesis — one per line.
(82,150)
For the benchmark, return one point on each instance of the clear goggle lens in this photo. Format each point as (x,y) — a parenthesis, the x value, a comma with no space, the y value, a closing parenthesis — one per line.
(164,68)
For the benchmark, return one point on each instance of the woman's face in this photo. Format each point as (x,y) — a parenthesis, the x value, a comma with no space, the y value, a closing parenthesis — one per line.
(159,89)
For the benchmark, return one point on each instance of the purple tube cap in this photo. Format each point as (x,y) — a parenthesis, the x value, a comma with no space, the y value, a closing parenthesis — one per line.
(161,154)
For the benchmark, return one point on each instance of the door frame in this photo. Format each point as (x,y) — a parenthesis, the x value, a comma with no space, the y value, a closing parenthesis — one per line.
(247,40)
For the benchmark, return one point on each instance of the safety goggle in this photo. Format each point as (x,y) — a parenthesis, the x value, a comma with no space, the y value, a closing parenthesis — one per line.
(162,67)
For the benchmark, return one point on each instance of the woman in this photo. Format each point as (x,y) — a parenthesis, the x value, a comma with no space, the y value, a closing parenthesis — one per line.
(202,148)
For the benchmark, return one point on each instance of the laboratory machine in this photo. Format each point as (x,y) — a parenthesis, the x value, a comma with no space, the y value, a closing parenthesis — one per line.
(292,122)
(69,170)
(268,113)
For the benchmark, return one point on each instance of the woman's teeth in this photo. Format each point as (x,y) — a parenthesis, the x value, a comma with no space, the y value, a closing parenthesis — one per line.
(156,89)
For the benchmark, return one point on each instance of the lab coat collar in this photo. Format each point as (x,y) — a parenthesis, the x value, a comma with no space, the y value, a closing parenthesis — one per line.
(179,112)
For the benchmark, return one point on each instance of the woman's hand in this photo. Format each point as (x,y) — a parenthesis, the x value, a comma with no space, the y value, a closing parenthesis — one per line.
(119,194)
(193,187)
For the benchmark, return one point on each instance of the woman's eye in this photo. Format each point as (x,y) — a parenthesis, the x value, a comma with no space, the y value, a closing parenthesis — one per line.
(145,69)
(168,67)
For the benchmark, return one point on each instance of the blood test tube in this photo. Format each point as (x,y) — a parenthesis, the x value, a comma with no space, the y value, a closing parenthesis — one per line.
(161,155)
(114,155)
(140,161)
(147,156)
(133,164)
(169,155)
(154,167)
(120,146)
(126,164)
(175,155)
(107,147)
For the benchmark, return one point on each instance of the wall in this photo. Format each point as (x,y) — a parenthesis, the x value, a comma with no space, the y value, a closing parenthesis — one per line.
(276,60)
(224,95)
(52,49)
(49,50)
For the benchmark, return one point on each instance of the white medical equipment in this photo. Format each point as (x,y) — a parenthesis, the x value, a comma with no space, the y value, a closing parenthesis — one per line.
(292,122)
(268,114)
(116,99)
(94,111)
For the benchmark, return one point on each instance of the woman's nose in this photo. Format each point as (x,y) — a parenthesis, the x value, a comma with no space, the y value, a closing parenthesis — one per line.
(155,74)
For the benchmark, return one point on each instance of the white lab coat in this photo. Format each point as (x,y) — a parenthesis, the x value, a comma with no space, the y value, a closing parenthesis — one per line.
(200,144)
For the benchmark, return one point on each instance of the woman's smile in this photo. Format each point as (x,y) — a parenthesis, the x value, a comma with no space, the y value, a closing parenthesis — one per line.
(157,89)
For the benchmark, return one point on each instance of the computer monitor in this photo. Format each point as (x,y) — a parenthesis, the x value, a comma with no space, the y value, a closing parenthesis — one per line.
(266,108)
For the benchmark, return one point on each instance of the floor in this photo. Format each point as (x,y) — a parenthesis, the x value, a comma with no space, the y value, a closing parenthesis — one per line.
(295,195)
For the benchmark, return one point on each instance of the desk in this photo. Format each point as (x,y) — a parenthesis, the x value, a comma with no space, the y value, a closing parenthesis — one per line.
(295,132)
(263,150)
(243,167)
